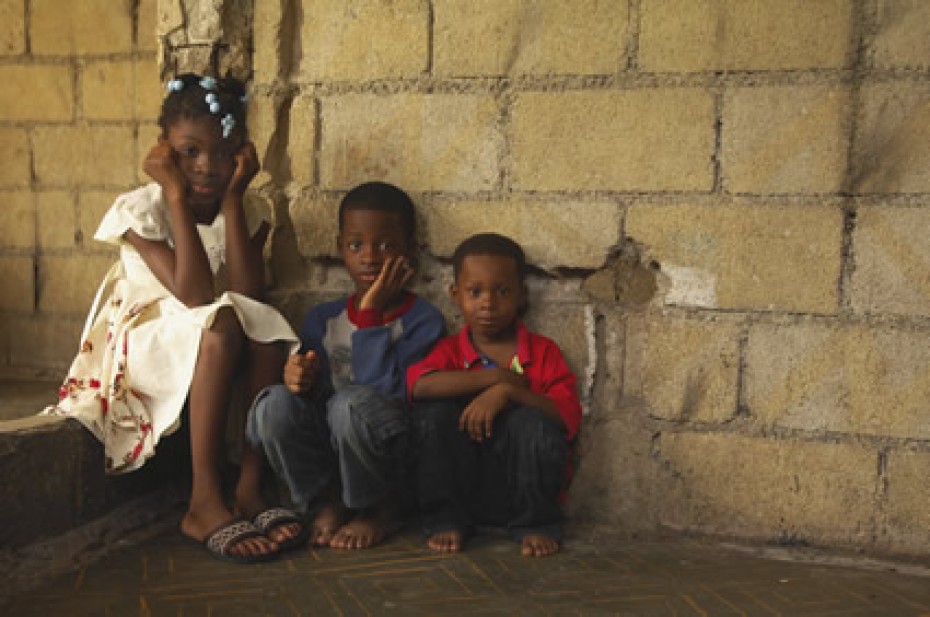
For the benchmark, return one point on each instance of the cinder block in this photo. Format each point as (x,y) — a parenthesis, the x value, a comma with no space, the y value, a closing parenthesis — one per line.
(512,37)
(907,516)
(367,39)
(647,139)
(92,206)
(17,283)
(892,261)
(571,327)
(24,84)
(548,231)
(148,137)
(148,90)
(684,370)
(104,86)
(769,489)
(67,155)
(17,219)
(15,145)
(893,146)
(787,139)
(316,225)
(784,257)
(264,123)
(67,284)
(425,142)
(843,379)
(301,146)
(48,342)
(12,27)
(86,27)
(147,25)
(57,219)
(902,37)
(268,25)
(713,35)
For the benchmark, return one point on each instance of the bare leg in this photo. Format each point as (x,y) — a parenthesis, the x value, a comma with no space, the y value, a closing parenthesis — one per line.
(265,366)
(217,359)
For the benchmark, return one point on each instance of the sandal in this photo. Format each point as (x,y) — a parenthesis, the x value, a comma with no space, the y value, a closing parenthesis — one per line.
(268,519)
(226,536)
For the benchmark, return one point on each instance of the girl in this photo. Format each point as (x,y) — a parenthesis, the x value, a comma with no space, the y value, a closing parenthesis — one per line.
(160,332)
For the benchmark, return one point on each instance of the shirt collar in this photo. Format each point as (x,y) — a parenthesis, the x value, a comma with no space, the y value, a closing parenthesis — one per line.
(470,355)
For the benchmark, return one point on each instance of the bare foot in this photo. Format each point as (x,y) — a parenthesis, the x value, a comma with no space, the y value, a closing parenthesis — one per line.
(366,529)
(199,524)
(326,523)
(446,541)
(534,545)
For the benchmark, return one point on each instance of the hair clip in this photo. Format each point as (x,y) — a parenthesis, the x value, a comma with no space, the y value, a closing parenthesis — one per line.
(228,123)
(207,82)
(213,103)
(175,85)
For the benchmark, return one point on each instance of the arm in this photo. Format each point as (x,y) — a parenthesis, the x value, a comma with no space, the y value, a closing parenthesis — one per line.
(457,383)
(380,362)
(243,254)
(184,270)
(479,414)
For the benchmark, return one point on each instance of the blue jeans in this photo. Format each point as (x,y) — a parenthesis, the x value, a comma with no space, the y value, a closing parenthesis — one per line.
(512,479)
(357,438)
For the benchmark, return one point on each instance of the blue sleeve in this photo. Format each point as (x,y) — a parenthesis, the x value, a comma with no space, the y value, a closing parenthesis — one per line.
(382,364)
(311,337)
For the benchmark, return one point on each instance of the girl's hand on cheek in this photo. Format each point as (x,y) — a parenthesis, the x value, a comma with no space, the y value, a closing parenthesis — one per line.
(161,164)
(246,168)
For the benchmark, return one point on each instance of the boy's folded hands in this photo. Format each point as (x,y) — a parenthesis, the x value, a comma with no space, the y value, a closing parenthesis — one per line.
(300,372)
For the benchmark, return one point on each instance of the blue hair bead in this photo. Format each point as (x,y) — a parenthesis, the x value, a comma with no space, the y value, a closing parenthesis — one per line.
(214,108)
(211,98)
(207,83)
(175,85)
(228,123)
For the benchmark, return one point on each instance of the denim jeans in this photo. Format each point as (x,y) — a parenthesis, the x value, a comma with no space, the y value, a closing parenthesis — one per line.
(512,479)
(357,437)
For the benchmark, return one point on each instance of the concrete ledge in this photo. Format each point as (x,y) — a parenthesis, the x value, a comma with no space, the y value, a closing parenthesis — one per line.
(54,478)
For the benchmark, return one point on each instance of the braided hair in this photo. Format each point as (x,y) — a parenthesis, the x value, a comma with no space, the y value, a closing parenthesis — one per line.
(192,96)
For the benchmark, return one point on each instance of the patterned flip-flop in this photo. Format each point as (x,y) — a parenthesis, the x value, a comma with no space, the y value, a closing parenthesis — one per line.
(226,536)
(266,520)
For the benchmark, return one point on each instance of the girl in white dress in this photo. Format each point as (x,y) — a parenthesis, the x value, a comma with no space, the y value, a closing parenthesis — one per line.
(161,332)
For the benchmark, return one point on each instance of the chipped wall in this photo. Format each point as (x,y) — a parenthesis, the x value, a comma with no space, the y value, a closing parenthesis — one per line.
(727,201)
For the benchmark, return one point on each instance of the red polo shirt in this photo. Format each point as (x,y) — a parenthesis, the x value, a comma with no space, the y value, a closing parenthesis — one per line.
(540,357)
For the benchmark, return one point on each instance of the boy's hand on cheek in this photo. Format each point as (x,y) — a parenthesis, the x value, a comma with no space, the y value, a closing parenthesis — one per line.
(300,372)
(478,417)
(161,164)
(394,276)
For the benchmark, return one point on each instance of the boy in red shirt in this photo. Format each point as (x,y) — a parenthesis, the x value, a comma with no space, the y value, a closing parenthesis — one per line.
(497,411)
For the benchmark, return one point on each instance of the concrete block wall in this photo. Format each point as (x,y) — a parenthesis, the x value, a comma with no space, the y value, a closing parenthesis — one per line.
(727,201)
(77,113)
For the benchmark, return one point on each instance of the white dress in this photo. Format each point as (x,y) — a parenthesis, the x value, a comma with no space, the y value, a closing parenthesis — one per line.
(131,377)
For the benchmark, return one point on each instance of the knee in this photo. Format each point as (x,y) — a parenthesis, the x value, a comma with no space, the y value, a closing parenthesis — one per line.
(273,415)
(357,411)
(224,336)
(436,417)
(538,434)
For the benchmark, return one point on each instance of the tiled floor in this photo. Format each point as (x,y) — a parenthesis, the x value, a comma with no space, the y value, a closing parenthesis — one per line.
(166,576)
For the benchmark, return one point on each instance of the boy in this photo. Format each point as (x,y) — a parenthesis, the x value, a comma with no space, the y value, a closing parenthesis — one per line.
(337,431)
(495,442)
